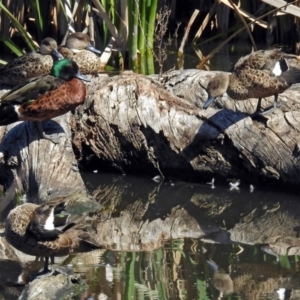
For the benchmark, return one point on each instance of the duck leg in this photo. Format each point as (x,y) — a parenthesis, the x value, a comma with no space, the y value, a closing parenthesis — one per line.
(54,138)
(46,264)
(258,107)
(46,272)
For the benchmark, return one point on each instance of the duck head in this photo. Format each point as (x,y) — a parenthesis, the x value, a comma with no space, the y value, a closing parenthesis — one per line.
(79,41)
(67,69)
(49,47)
(216,87)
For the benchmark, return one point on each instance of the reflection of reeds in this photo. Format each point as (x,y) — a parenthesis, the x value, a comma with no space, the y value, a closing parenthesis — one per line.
(173,272)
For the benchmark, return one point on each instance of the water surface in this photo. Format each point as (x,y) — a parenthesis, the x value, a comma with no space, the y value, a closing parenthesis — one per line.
(235,262)
(217,243)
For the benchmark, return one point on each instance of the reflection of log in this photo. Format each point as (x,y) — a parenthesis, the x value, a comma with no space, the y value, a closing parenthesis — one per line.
(136,217)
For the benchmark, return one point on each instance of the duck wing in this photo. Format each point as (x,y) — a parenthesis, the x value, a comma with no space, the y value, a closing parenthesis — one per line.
(42,223)
(75,204)
(260,60)
(66,52)
(18,67)
(31,89)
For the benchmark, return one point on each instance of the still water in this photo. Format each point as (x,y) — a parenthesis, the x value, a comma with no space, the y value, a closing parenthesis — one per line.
(245,244)
(177,240)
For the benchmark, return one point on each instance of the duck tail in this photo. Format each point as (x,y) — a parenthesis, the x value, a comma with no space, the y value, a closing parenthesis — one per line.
(8,115)
(291,76)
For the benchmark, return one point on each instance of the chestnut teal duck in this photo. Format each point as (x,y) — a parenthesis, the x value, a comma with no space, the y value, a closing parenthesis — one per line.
(260,74)
(31,65)
(78,48)
(36,229)
(45,97)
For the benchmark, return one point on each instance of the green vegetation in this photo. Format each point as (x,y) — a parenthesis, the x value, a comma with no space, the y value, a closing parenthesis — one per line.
(190,269)
(143,28)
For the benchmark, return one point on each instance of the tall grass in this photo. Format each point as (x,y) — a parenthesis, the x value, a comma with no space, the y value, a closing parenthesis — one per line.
(131,23)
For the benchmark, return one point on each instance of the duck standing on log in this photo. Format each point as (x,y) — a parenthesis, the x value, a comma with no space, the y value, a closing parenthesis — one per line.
(260,74)
(31,65)
(45,97)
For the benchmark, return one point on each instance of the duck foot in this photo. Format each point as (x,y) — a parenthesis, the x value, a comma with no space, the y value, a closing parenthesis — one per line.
(44,273)
(55,270)
(54,137)
(268,110)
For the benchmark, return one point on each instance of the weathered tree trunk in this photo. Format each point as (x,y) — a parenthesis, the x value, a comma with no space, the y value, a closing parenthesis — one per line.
(132,123)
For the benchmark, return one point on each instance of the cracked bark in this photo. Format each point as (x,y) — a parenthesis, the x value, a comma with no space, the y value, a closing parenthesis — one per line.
(135,124)
(159,128)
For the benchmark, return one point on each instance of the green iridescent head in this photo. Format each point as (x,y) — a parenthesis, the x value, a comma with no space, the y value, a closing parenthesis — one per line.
(67,69)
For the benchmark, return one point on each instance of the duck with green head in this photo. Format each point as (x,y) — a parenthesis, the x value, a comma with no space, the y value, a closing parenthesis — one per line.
(45,97)
(78,48)
(39,231)
(31,65)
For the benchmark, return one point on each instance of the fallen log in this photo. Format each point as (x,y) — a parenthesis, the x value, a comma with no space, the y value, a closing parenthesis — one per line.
(137,124)
(133,123)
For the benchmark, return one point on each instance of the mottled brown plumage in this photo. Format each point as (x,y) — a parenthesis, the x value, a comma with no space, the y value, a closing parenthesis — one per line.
(253,77)
(31,65)
(32,228)
(79,49)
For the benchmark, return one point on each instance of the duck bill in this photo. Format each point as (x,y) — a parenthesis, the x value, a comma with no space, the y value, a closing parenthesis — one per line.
(82,77)
(208,102)
(56,54)
(93,49)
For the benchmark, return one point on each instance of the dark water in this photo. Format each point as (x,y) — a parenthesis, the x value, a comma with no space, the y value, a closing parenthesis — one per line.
(208,267)
(251,252)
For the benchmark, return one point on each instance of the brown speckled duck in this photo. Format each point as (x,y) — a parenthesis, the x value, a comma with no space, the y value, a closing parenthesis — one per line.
(31,65)
(78,48)
(260,74)
(33,229)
